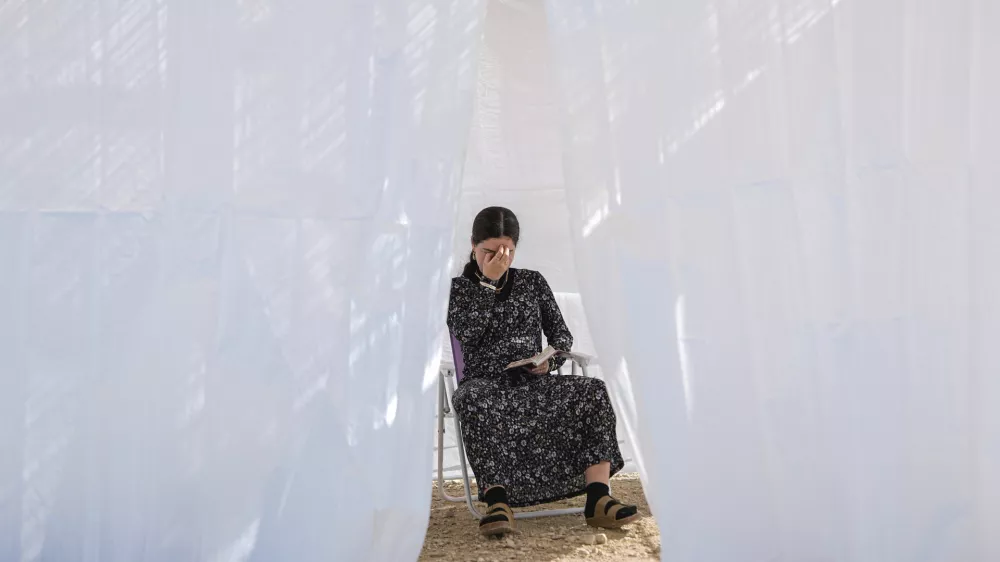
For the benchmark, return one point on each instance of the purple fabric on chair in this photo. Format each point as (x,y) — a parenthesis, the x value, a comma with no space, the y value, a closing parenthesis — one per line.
(456,356)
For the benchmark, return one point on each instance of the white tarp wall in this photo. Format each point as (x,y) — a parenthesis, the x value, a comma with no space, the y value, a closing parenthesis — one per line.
(514,159)
(224,236)
(514,152)
(785,223)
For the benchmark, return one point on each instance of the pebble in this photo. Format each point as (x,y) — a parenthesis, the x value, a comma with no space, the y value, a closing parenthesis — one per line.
(601,538)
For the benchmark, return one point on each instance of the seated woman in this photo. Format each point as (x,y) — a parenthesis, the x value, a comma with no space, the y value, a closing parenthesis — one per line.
(531,438)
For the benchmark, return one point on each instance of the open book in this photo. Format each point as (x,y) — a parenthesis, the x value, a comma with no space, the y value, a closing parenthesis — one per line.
(535,360)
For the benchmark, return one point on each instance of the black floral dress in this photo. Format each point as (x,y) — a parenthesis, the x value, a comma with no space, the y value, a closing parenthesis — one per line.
(533,434)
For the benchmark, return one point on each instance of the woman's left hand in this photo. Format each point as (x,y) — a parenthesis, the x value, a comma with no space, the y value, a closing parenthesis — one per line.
(542,369)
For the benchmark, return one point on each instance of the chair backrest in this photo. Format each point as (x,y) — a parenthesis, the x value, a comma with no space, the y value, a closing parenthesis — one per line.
(456,356)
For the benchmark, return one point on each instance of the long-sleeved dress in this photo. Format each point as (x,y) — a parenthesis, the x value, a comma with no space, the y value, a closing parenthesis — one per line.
(533,434)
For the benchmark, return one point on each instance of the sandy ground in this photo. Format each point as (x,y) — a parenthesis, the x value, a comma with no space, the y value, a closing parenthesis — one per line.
(452,534)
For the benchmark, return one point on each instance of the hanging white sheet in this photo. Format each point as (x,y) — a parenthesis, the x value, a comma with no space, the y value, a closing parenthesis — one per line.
(784,215)
(224,236)
(514,159)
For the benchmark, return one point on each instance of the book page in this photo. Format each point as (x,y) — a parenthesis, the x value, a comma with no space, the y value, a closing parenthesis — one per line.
(535,360)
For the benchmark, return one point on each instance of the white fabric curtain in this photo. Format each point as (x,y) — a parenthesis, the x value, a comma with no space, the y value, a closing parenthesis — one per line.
(514,148)
(514,159)
(784,217)
(225,229)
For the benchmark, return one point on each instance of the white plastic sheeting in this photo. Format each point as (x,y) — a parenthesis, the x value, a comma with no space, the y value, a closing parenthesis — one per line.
(225,228)
(514,159)
(784,215)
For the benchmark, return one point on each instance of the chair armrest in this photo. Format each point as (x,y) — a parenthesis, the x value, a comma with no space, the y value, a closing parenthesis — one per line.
(581,359)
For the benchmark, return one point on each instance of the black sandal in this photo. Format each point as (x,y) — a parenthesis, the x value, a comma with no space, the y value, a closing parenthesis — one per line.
(610,513)
(498,521)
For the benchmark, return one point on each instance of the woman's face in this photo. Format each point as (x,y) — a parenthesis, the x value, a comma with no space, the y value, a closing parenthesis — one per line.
(486,249)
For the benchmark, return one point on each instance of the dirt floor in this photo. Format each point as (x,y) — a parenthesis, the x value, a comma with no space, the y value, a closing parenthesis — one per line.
(452,535)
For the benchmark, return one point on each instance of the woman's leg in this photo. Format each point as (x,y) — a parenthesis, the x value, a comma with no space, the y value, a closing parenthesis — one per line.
(601,509)
(600,472)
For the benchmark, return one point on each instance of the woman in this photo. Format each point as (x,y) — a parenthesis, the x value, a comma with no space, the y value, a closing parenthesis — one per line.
(531,437)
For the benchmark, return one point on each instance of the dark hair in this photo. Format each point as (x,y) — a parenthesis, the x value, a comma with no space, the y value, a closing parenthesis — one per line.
(494,222)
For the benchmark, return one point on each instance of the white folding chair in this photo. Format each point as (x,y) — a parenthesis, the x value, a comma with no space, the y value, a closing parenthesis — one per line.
(448,377)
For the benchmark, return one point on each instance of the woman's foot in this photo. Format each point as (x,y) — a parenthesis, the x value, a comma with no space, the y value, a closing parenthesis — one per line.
(499,518)
(606,512)
(498,521)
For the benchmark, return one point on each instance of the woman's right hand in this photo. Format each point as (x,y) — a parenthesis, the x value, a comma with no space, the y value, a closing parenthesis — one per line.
(496,266)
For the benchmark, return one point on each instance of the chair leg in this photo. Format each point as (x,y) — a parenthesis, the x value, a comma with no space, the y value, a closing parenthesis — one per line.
(461,461)
(548,513)
(440,437)
(442,410)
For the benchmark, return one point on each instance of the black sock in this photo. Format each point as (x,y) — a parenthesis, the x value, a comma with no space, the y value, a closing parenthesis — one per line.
(595,491)
(496,494)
